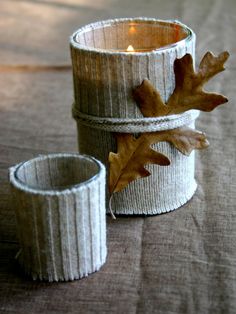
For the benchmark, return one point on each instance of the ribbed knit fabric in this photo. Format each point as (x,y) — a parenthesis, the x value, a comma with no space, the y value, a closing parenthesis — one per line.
(59,202)
(166,189)
(104,78)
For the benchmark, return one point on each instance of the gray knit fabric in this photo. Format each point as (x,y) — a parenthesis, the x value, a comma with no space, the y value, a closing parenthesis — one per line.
(104,77)
(59,202)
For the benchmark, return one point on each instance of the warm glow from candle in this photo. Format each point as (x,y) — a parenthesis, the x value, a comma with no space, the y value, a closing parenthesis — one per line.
(132,29)
(130,49)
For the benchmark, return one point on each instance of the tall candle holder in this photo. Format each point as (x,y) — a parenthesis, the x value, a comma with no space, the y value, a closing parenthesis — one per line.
(106,72)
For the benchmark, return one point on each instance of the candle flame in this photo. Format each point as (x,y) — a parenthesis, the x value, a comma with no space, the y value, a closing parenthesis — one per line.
(130,48)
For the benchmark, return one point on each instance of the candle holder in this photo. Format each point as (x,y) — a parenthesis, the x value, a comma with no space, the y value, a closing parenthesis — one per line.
(110,60)
(60,212)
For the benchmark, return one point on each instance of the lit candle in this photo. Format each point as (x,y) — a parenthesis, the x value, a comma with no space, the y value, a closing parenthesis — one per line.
(130,49)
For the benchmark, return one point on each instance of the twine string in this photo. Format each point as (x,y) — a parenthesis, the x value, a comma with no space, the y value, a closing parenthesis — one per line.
(134,125)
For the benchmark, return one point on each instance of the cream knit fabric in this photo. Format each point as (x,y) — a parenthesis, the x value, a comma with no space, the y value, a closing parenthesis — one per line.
(60,214)
(103,84)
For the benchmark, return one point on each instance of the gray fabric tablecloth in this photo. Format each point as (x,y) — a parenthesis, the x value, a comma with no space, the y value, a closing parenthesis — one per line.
(181,262)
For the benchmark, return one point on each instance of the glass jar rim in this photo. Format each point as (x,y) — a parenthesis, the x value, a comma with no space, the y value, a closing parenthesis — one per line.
(142,20)
(72,189)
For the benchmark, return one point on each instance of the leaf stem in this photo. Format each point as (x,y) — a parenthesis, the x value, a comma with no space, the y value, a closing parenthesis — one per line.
(110,209)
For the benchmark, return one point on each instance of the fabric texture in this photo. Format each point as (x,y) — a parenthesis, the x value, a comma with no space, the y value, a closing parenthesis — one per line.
(167,188)
(183,262)
(135,125)
(61,200)
(104,78)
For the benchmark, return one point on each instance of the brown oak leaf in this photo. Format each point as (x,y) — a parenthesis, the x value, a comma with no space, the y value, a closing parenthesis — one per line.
(188,93)
(184,139)
(131,157)
(133,153)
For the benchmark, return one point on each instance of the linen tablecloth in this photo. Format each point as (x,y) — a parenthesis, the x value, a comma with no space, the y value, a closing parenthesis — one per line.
(181,262)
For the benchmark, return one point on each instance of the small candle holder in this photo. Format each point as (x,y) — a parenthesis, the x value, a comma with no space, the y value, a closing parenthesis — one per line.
(60,212)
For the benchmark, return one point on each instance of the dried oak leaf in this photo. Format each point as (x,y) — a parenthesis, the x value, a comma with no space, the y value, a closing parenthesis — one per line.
(188,93)
(184,139)
(128,163)
(133,154)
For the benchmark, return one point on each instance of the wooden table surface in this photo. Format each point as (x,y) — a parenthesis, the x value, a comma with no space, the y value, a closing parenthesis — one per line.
(182,262)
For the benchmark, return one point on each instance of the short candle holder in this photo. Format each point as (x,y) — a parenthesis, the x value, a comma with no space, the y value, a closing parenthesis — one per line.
(59,201)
